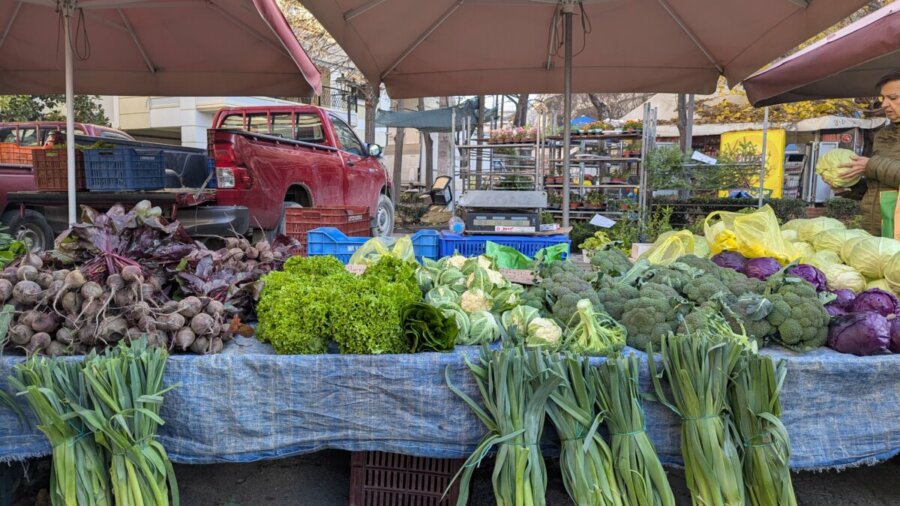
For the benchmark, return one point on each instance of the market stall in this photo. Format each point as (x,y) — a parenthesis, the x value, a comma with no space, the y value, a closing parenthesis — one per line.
(247,404)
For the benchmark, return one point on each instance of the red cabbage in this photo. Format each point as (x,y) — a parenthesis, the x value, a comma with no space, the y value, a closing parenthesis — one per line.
(875,300)
(843,298)
(834,310)
(895,335)
(860,334)
(805,271)
(730,260)
(761,268)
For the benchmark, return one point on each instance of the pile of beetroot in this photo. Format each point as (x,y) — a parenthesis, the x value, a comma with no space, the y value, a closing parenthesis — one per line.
(125,274)
(863,323)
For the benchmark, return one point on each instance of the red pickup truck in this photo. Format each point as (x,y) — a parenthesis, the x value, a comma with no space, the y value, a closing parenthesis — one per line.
(266,159)
(269,158)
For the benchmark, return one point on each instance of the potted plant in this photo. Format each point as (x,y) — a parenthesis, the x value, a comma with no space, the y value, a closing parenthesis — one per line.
(554,200)
(633,125)
(595,200)
(575,200)
(632,149)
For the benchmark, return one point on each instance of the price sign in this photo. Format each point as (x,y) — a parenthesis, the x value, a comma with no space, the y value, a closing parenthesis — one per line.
(356,269)
(518,276)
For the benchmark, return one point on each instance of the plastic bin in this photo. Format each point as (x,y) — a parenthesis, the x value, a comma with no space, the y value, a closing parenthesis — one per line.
(331,241)
(124,169)
(475,245)
(211,169)
(51,171)
(12,153)
(378,479)
(352,221)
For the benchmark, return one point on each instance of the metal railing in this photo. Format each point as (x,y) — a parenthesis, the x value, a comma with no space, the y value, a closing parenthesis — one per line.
(337,99)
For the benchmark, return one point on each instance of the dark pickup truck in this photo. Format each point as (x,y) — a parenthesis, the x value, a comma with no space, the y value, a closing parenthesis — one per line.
(266,160)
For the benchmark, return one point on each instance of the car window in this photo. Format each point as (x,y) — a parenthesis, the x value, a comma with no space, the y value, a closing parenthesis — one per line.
(28,136)
(8,134)
(258,123)
(349,142)
(310,128)
(281,125)
(108,134)
(233,122)
(45,132)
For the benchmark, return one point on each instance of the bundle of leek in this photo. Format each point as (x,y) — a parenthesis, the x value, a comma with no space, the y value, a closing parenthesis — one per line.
(584,457)
(639,474)
(78,474)
(756,407)
(126,393)
(697,367)
(513,413)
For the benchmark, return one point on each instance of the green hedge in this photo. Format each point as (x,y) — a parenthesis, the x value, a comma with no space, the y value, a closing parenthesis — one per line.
(686,212)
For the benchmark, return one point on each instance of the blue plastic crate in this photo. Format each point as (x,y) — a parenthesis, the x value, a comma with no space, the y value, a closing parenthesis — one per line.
(331,241)
(211,169)
(123,168)
(475,245)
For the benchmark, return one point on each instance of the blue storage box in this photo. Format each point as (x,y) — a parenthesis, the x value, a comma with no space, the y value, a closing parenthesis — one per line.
(123,169)
(331,241)
(475,245)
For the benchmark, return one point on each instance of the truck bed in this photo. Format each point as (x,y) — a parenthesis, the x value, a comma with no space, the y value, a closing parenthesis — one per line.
(180,197)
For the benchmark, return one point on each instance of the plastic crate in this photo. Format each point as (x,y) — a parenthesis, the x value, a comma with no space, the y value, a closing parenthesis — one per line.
(471,246)
(12,153)
(124,169)
(352,221)
(331,241)
(51,169)
(211,169)
(388,479)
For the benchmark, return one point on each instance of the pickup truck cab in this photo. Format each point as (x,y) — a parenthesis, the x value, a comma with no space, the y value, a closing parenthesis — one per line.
(271,158)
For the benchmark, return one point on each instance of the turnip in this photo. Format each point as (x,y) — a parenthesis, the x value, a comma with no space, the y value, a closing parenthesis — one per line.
(91,290)
(10,274)
(45,322)
(27,293)
(20,334)
(88,334)
(138,310)
(71,302)
(190,306)
(232,242)
(216,345)
(123,299)
(32,260)
(184,338)
(26,272)
(200,346)
(113,329)
(156,339)
(169,307)
(202,324)
(38,342)
(215,309)
(73,280)
(60,274)
(252,253)
(132,274)
(55,349)
(65,335)
(6,289)
(146,324)
(170,322)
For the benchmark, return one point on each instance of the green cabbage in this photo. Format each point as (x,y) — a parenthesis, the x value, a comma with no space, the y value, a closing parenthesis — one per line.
(441,295)
(504,299)
(841,276)
(822,258)
(462,320)
(807,230)
(452,277)
(879,283)
(701,247)
(870,256)
(790,235)
(793,225)
(892,273)
(803,249)
(833,239)
(829,167)
(848,246)
(483,328)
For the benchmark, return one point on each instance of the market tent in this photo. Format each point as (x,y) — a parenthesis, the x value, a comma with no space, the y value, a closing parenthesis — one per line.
(846,64)
(807,125)
(149,47)
(477,47)
(583,120)
(435,120)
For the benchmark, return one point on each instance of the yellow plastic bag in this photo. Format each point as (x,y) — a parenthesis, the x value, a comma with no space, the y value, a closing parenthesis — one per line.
(375,248)
(753,235)
(669,246)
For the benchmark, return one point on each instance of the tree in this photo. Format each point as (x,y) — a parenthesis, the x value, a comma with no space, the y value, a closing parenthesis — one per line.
(399,139)
(51,108)
(428,152)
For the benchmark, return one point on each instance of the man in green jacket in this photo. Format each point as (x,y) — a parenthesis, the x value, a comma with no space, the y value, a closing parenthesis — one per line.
(882,169)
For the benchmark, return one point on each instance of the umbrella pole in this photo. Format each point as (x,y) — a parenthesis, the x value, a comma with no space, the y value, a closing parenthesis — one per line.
(567,10)
(70,117)
(762,168)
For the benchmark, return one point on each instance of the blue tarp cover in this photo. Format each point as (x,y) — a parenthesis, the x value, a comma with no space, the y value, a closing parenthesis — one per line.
(247,404)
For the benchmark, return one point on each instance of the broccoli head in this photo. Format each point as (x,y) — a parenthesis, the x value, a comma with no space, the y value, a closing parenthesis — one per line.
(610,262)
(613,298)
(647,320)
(799,316)
(672,276)
(704,288)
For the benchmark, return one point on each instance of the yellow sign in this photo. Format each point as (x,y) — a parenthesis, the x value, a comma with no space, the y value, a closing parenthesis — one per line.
(775,139)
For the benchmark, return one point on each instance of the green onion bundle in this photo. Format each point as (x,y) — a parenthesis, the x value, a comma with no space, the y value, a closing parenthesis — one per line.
(126,393)
(754,397)
(697,367)
(78,474)
(639,473)
(513,413)
(584,457)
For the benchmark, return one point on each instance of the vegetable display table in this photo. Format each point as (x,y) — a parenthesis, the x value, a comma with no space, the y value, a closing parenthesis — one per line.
(247,404)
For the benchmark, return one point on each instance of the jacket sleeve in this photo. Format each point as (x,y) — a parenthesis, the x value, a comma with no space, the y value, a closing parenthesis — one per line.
(884,170)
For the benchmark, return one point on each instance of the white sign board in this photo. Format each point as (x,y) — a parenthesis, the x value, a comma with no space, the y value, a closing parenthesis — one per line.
(602,221)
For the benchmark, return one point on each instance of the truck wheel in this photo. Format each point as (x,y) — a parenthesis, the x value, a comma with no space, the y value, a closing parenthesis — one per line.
(384,217)
(31,228)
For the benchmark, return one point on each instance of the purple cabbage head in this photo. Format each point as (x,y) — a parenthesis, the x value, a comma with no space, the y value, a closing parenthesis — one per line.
(730,259)
(875,300)
(860,334)
(843,298)
(895,335)
(761,268)
(834,310)
(805,271)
